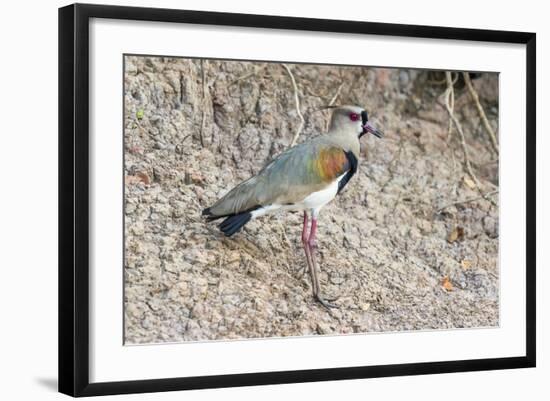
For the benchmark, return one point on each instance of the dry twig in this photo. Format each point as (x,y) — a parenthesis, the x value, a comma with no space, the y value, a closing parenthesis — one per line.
(482,196)
(449,94)
(481,112)
(255,72)
(204,89)
(451,102)
(393,162)
(440,81)
(332,100)
(297,101)
(310,92)
(336,94)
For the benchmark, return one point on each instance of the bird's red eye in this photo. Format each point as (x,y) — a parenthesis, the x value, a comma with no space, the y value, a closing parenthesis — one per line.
(354,116)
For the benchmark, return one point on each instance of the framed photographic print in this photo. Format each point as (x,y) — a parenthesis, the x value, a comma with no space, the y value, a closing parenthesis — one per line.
(250,199)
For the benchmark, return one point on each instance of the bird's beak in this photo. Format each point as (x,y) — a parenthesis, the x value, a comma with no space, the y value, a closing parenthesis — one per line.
(368,127)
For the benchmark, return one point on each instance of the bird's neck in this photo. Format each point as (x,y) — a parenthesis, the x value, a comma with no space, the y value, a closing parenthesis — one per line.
(347,140)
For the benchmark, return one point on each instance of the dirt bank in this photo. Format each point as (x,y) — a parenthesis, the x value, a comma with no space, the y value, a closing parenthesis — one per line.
(194,128)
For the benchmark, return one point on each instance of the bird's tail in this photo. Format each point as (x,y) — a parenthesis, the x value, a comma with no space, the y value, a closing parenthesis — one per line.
(234,223)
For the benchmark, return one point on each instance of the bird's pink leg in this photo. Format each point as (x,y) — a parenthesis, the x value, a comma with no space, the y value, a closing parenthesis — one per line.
(311,249)
(304,230)
(305,243)
(312,233)
(313,268)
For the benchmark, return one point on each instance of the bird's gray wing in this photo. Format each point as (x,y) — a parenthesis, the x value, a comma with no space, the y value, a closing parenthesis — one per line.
(288,179)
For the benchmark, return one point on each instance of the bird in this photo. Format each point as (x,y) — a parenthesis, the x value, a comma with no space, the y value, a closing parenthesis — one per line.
(303,178)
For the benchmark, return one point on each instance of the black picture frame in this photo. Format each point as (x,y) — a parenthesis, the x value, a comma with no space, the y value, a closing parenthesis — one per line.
(74,198)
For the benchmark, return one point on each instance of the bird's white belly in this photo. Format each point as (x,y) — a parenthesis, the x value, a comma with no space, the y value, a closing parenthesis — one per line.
(317,200)
(314,201)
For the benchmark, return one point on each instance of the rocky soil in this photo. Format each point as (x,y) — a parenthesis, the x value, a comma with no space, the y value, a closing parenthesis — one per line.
(394,259)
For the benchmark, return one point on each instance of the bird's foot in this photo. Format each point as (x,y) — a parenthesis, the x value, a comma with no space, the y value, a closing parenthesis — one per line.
(326,303)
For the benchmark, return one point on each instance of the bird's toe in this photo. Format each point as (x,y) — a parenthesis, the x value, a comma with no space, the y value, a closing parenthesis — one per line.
(326,303)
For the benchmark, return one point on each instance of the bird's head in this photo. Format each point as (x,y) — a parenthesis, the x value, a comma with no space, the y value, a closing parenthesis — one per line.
(352,119)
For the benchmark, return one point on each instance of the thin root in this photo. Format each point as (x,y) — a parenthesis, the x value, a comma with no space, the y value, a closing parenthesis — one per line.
(449,103)
(204,89)
(484,196)
(297,101)
(481,112)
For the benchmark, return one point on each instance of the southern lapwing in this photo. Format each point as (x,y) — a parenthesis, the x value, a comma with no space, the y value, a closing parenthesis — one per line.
(304,178)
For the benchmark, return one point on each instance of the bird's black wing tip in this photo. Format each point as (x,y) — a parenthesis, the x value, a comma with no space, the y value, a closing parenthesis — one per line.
(206,212)
(234,223)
